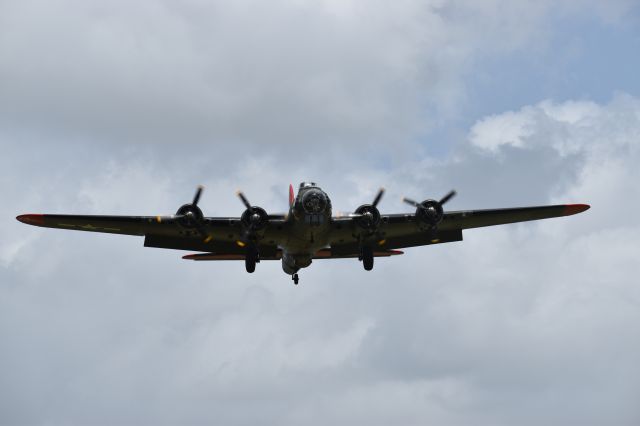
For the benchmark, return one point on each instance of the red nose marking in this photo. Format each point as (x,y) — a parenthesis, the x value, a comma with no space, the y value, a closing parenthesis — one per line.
(570,209)
(32,219)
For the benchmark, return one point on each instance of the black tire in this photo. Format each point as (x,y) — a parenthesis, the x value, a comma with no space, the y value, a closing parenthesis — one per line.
(367,258)
(250,263)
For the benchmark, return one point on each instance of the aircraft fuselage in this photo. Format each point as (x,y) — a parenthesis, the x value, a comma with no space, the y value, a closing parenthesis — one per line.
(309,222)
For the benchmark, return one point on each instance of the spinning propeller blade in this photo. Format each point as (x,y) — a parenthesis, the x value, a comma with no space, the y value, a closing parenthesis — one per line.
(411,202)
(447,197)
(244,200)
(378,197)
(442,201)
(196,198)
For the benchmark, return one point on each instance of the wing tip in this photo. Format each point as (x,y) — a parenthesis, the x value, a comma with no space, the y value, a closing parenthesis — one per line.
(31,219)
(571,209)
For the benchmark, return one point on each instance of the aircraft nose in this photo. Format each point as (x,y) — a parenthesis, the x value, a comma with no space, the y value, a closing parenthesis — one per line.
(314,202)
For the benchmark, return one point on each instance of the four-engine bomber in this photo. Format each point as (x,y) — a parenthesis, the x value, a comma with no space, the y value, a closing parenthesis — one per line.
(306,232)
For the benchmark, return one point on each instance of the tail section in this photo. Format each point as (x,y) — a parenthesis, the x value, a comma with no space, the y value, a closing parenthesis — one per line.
(292,195)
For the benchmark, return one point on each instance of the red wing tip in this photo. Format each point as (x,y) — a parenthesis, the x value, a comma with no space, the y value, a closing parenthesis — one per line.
(31,219)
(570,209)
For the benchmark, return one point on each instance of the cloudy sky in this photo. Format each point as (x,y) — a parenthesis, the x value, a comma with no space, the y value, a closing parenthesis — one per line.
(124,107)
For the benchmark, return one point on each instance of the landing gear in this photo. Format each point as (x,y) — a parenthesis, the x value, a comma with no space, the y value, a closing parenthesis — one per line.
(250,260)
(367,258)
(295,279)
(250,264)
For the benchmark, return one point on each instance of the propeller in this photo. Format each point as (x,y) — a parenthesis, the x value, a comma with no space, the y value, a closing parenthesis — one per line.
(254,218)
(368,215)
(190,215)
(430,211)
(444,199)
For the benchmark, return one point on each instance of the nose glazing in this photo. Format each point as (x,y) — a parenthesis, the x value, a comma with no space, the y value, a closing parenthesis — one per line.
(314,202)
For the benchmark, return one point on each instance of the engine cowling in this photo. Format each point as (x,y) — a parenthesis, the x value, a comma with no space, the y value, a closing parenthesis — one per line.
(190,215)
(254,218)
(430,212)
(369,218)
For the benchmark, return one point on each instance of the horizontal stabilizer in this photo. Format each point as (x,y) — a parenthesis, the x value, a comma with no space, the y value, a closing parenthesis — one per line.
(322,254)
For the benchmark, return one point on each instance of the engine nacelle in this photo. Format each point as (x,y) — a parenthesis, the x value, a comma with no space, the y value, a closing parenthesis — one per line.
(190,215)
(370,217)
(254,218)
(430,212)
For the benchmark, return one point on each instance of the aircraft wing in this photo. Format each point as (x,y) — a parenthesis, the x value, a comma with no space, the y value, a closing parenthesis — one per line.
(220,237)
(127,225)
(467,219)
(404,230)
(218,234)
(130,225)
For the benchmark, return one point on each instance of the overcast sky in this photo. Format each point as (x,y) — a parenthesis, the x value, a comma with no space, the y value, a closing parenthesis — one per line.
(124,107)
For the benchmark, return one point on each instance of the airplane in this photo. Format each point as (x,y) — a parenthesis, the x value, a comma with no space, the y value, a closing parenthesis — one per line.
(307,232)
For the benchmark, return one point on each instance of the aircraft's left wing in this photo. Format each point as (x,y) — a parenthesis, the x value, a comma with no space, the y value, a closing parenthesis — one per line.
(214,234)
(131,225)
(126,225)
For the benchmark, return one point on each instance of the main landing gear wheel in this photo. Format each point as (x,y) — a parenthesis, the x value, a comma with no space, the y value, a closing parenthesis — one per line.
(250,260)
(367,258)
(250,264)
(295,279)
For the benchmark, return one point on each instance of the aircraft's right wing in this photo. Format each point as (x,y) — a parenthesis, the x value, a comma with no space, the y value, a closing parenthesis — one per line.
(467,219)
(405,230)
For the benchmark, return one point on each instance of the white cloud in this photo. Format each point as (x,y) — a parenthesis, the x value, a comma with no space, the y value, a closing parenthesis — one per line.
(505,129)
(282,73)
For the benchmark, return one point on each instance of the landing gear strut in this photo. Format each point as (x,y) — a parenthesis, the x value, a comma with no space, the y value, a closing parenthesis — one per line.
(295,279)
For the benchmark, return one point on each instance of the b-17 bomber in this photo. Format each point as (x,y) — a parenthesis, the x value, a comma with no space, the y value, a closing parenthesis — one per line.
(308,231)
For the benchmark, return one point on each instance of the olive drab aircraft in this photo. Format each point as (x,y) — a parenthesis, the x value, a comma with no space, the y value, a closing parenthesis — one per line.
(308,231)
